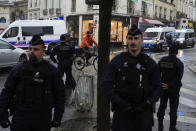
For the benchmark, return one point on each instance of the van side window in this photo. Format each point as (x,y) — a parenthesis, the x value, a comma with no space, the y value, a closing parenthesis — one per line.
(186,36)
(191,35)
(12,32)
(162,36)
(29,31)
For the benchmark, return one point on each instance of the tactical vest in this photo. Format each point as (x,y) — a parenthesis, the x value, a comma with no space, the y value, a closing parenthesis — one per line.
(35,85)
(168,70)
(133,82)
(64,52)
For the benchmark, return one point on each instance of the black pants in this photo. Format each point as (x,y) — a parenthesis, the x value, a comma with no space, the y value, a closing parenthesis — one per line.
(173,97)
(138,121)
(31,122)
(66,67)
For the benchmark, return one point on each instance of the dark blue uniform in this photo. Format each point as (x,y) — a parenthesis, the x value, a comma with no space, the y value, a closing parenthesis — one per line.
(137,90)
(172,71)
(64,53)
(34,89)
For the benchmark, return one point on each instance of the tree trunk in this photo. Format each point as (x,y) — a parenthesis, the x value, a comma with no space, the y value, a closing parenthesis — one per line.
(103,105)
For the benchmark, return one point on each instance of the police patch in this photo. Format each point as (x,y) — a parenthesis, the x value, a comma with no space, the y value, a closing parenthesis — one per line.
(166,65)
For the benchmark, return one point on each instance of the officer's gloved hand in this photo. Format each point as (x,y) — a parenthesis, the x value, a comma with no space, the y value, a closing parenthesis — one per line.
(55,123)
(5,124)
(125,107)
(142,107)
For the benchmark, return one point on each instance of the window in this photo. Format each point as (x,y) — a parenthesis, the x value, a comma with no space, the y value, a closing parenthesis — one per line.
(165,10)
(73,6)
(35,16)
(130,7)
(5,45)
(160,13)
(162,36)
(155,11)
(46,5)
(30,3)
(29,31)
(90,6)
(12,32)
(35,3)
(114,5)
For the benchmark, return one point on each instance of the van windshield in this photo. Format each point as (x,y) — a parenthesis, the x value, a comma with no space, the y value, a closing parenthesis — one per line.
(150,35)
(180,35)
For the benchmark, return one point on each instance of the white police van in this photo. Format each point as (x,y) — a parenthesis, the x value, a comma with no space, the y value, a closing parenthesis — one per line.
(154,38)
(185,37)
(20,32)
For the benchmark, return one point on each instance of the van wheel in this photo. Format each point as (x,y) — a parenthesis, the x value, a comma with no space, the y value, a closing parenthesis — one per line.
(185,46)
(193,44)
(22,58)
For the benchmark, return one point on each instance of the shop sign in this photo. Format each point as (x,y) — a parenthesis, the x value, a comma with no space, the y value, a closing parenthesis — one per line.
(134,0)
(87,17)
(94,26)
(190,24)
(147,3)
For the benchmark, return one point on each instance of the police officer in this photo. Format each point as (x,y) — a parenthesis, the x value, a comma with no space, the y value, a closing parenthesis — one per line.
(64,52)
(36,87)
(171,74)
(132,83)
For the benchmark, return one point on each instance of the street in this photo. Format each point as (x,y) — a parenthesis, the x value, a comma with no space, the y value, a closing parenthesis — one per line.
(187,106)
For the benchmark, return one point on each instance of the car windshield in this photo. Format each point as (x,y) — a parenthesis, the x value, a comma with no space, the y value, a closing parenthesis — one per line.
(150,35)
(180,35)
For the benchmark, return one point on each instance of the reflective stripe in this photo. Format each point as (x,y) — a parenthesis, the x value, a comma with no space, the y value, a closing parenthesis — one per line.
(24,43)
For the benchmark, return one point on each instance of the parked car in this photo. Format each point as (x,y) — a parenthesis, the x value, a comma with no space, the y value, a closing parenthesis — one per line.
(10,55)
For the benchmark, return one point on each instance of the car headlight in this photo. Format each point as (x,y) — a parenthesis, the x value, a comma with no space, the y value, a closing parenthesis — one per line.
(155,41)
(181,41)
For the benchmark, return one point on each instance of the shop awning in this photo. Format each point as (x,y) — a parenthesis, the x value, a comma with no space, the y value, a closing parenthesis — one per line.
(153,22)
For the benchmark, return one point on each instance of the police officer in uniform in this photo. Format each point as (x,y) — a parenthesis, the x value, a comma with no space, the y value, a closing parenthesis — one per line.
(132,83)
(36,87)
(64,52)
(171,74)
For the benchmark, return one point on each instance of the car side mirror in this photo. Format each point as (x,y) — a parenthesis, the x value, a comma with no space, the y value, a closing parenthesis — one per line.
(5,36)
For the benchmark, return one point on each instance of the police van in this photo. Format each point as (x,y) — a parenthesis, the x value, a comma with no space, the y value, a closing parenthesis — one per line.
(185,37)
(154,38)
(20,32)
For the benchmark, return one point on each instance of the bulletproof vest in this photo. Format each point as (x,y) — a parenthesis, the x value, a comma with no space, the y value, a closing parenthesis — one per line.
(168,69)
(35,85)
(133,83)
(64,52)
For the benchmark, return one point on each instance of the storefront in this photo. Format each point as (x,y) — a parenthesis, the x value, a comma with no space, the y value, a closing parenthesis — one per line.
(119,29)
(87,24)
(73,27)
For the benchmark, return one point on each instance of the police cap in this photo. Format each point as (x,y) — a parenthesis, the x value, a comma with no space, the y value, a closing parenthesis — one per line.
(134,31)
(36,40)
(64,36)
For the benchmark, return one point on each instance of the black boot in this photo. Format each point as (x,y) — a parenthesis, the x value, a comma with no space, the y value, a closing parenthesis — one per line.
(160,126)
(173,128)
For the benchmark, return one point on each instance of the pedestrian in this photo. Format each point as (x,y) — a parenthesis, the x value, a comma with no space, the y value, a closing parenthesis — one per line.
(36,87)
(86,44)
(64,52)
(132,83)
(171,74)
